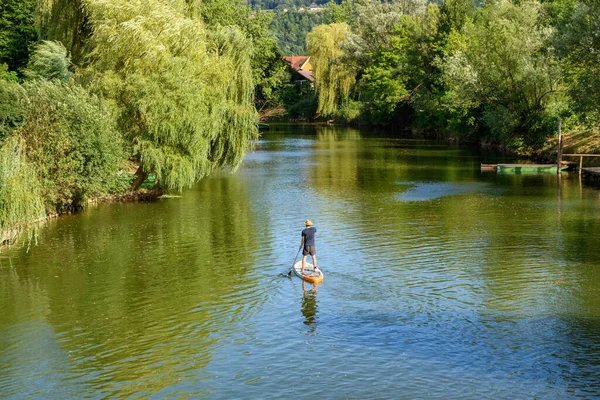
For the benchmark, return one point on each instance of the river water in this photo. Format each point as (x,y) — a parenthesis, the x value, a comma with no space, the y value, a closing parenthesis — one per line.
(440,282)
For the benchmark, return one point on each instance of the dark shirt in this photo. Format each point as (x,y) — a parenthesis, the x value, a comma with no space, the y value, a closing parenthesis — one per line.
(309,236)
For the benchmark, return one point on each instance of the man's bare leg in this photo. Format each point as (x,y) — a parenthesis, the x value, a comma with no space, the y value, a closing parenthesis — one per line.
(303,263)
(314,258)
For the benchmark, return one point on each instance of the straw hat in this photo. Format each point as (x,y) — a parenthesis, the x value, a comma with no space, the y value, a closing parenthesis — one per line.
(308,222)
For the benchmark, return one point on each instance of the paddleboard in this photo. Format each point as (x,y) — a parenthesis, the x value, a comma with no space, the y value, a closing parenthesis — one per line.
(309,275)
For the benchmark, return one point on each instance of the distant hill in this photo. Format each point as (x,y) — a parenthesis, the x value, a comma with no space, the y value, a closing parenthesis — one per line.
(284,4)
(290,28)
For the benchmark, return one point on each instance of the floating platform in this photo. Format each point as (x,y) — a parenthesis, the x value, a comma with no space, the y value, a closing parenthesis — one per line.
(522,168)
(489,167)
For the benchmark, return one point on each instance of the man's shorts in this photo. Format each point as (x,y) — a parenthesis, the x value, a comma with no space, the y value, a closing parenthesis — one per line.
(309,250)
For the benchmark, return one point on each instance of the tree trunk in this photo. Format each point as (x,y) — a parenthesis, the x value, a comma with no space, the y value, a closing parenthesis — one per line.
(140,177)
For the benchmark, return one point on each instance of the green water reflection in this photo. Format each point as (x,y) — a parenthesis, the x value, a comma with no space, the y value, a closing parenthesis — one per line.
(118,283)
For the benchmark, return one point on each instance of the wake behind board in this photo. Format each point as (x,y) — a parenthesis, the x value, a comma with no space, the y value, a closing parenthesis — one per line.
(309,275)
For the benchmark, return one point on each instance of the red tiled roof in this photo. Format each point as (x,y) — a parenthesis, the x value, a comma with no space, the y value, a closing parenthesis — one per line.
(296,62)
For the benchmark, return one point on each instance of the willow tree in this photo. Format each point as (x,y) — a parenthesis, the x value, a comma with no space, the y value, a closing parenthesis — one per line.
(65,21)
(334,79)
(21,203)
(269,71)
(184,93)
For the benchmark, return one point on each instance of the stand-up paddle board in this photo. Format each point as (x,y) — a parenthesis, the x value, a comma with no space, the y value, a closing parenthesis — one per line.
(309,275)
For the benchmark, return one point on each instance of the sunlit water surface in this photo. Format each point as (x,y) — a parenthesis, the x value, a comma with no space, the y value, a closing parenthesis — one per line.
(440,282)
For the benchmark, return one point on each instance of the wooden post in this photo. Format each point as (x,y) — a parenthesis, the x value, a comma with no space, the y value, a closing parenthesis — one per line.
(559,154)
(580,164)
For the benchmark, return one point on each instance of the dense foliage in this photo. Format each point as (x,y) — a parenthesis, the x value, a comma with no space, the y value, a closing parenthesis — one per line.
(49,61)
(500,65)
(17,32)
(290,29)
(268,70)
(186,93)
(60,148)
(21,201)
(91,90)
(578,44)
(498,71)
(70,139)
(284,4)
(167,88)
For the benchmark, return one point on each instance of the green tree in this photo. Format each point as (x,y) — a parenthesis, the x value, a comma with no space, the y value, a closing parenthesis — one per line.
(336,13)
(66,21)
(405,69)
(21,203)
(11,113)
(59,148)
(374,24)
(454,14)
(560,11)
(184,93)
(502,64)
(268,69)
(334,79)
(20,196)
(17,32)
(578,42)
(383,84)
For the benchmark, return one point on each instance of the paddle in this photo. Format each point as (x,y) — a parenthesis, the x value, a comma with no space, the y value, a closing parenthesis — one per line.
(290,271)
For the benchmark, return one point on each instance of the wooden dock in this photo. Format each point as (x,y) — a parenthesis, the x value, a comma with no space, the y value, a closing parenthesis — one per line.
(581,159)
(589,175)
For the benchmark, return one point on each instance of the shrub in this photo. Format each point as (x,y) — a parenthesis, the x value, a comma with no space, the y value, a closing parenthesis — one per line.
(50,60)
(11,115)
(72,142)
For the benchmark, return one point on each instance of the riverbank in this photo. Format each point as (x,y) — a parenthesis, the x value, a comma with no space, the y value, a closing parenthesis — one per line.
(402,131)
(10,236)
(140,195)
(575,141)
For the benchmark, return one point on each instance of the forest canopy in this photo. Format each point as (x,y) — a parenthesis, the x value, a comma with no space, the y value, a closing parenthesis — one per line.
(499,71)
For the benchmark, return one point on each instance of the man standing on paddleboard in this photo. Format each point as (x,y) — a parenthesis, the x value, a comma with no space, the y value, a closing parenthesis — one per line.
(308,241)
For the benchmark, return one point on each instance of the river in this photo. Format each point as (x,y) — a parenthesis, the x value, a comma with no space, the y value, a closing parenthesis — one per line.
(440,282)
